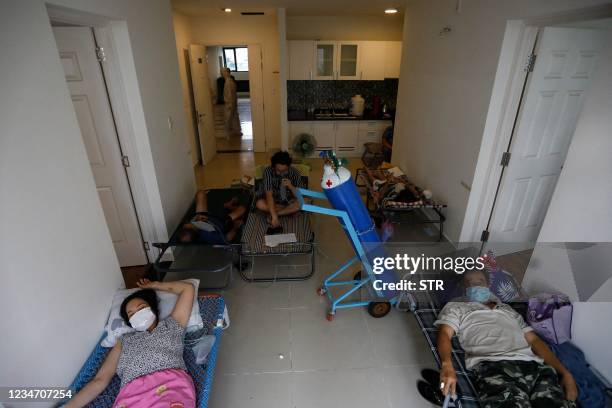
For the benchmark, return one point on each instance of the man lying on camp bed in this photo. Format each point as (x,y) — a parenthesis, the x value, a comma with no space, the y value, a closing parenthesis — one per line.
(280,181)
(215,229)
(513,367)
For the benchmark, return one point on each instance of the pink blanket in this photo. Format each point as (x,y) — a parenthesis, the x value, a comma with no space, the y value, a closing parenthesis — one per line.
(171,388)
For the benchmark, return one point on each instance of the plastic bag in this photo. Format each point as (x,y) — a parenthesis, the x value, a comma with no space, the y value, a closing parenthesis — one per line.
(550,315)
(202,348)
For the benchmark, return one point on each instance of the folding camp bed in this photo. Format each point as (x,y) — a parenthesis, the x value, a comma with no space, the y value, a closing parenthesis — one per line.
(212,264)
(425,306)
(252,243)
(397,210)
(211,309)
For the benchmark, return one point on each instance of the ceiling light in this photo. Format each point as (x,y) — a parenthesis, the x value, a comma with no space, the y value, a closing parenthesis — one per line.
(391,10)
(227,10)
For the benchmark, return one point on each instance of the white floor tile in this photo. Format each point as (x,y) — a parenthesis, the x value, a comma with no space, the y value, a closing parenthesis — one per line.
(255,346)
(398,340)
(400,386)
(338,388)
(251,391)
(319,344)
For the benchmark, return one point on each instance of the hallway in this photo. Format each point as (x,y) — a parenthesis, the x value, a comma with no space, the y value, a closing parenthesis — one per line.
(234,143)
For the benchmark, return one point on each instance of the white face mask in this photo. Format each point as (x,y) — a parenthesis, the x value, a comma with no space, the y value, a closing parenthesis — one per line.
(142,319)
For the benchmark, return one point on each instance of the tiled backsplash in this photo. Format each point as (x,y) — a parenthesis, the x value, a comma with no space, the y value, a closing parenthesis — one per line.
(302,95)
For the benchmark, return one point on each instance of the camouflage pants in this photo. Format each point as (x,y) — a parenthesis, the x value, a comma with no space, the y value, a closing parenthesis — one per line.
(518,384)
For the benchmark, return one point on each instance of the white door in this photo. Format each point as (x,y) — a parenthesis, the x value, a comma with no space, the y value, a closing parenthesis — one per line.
(257,97)
(565,61)
(203,101)
(83,73)
(301,63)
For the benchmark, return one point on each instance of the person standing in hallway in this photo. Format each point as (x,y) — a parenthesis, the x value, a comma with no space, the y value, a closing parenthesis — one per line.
(232,121)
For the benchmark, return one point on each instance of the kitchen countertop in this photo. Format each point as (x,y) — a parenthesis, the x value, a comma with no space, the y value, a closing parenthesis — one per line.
(302,115)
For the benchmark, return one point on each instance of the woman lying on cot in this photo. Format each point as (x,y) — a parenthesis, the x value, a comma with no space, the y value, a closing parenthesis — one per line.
(208,228)
(149,362)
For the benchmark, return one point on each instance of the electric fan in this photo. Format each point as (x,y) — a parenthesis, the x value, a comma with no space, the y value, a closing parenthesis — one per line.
(304,145)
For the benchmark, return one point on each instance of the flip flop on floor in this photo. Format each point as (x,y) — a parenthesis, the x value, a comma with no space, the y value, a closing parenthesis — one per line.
(431,376)
(430,393)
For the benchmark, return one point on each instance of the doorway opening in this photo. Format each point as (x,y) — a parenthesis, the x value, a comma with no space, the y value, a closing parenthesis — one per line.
(230,138)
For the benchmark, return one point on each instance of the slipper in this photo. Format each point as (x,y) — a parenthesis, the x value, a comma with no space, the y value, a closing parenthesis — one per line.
(431,394)
(431,376)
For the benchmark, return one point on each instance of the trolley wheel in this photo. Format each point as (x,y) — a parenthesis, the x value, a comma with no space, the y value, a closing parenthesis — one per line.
(329,317)
(357,275)
(379,309)
(321,291)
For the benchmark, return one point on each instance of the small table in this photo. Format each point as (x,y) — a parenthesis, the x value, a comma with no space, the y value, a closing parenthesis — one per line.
(386,208)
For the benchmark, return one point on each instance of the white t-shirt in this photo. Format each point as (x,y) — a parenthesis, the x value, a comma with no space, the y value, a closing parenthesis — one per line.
(488,334)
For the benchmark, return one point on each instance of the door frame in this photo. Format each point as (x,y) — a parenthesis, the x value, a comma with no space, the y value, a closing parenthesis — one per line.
(125,100)
(263,96)
(518,42)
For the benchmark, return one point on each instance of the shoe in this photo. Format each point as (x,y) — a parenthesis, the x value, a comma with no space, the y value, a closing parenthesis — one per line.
(430,393)
(431,376)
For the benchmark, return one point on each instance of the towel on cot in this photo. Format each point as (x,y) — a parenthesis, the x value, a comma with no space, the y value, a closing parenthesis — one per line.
(171,388)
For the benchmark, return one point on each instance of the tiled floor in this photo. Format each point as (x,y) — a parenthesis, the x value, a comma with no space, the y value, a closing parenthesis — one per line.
(280,351)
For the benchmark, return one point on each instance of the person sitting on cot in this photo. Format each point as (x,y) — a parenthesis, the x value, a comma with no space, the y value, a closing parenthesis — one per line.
(513,367)
(149,361)
(280,181)
(215,229)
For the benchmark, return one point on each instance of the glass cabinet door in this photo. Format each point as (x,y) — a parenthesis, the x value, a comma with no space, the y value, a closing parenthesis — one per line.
(325,60)
(348,54)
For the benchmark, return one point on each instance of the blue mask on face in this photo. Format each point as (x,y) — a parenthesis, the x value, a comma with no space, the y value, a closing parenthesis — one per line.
(478,294)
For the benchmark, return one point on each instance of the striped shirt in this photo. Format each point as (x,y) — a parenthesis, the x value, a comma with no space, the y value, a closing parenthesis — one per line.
(272,181)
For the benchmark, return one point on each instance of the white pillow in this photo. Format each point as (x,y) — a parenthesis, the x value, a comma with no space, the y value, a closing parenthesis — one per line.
(116,327)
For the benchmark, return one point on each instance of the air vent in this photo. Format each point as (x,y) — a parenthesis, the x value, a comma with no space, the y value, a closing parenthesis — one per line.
(252,13)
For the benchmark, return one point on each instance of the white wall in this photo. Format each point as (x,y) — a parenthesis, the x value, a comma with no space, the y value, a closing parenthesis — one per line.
(580,212)
(235,29)
(367,28)
(445,87)
(59,269)
(182,33)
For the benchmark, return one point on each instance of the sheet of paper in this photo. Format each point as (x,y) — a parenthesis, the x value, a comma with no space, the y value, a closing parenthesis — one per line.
(274,240)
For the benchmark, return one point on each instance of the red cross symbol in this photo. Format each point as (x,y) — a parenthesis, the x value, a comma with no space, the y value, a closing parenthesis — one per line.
(328,183)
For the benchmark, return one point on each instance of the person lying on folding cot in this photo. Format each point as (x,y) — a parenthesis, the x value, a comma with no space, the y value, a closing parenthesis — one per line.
(149,361)
(208,228)
(513,367)
(280,181)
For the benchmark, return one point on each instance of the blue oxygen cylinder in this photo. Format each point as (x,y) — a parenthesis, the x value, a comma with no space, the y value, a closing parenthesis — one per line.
(341,191)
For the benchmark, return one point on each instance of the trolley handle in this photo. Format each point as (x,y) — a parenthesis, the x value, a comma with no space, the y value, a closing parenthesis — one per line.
(301,192)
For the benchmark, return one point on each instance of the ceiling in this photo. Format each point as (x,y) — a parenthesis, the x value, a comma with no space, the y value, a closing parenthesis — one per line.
(293,7)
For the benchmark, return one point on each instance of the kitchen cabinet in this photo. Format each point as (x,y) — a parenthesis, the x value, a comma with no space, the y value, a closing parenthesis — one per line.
(301,62)
(325,135)
(348,60)
(393,58)
(370,131)
(372,64)
(336,60)
(346,137)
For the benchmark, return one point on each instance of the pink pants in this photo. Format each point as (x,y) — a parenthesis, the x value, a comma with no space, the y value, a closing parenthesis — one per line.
(171,388)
